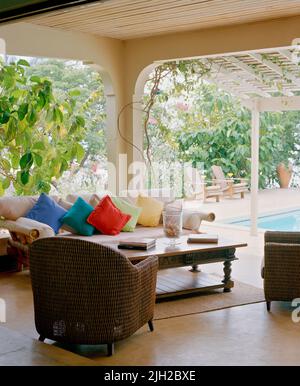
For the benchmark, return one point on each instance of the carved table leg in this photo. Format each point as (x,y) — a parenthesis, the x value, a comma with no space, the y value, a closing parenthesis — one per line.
(227,276)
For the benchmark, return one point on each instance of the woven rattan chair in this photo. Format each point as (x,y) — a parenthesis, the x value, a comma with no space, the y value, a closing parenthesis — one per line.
(281,266)
(87,293)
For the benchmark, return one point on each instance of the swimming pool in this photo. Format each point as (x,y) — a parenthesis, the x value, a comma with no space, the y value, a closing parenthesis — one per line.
(288,221)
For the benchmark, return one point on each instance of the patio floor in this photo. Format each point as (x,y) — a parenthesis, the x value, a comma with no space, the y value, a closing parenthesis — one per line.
(247,269)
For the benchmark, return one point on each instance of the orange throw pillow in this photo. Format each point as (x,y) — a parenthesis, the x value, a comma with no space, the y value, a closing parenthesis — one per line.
(107,218)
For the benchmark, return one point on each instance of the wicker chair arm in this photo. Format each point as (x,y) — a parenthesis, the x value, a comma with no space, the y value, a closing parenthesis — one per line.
(147,271)
(150,263)
(282,237)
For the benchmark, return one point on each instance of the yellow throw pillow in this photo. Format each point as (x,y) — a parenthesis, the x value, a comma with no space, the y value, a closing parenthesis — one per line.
(151,211)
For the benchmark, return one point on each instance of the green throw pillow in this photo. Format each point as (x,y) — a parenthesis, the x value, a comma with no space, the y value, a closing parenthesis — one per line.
(76,217)
(127,208)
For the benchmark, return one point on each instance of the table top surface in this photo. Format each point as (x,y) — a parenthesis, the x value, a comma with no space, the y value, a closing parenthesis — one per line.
(182,247)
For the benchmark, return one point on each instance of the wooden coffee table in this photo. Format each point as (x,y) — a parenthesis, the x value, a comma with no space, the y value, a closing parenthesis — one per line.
(182,282)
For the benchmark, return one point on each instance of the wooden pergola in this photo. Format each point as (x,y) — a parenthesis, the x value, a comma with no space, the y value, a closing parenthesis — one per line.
(266,80)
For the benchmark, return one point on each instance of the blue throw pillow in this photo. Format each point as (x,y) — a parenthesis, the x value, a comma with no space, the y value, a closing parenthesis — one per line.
(47,211)
(76,217)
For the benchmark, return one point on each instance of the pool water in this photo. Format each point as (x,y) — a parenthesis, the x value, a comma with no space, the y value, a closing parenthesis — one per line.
(288,221)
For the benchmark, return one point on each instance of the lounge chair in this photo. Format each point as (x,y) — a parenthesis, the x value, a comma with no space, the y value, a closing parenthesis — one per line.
(199,187)
(229,186)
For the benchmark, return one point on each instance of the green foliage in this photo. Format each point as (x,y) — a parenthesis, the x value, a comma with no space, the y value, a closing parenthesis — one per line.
(196,122)
(39,133)
(71,80)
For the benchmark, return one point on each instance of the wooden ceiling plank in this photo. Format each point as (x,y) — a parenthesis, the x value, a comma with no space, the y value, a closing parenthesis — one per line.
(128,19)
(189,11)
(100,27)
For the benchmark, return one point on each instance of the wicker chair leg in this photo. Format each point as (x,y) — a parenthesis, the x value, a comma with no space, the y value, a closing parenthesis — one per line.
(41,338)
(269,306)
(110,349)
(150,324)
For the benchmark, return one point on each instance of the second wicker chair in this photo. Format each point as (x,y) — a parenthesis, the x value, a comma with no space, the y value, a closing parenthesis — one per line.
(281,266)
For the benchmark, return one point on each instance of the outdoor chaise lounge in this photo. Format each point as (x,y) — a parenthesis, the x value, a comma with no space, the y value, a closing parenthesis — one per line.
(229,186)
(200,187)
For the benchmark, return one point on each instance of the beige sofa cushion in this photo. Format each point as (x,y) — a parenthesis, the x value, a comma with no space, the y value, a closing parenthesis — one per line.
(64,204)
(11,208)
(92,198)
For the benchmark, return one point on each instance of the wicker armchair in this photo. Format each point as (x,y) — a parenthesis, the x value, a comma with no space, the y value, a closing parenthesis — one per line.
(86,293)
(281,266)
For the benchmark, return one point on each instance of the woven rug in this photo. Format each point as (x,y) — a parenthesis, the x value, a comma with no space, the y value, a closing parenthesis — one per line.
(209,301)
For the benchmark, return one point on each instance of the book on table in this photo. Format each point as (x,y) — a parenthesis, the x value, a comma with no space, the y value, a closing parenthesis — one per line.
(203,238)
(133,243)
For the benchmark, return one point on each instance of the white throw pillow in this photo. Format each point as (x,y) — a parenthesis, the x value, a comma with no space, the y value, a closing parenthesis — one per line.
(11,208)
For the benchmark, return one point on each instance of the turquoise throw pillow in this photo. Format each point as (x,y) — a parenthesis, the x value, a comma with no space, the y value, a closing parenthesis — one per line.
(76,217)
(127,208)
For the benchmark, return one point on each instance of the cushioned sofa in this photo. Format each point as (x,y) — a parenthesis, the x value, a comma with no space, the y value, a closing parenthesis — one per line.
(24,231)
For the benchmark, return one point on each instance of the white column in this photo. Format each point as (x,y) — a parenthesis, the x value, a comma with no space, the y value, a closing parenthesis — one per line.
(254,166)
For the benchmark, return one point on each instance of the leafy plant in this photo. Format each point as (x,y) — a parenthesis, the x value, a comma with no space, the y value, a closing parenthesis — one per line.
(40,134)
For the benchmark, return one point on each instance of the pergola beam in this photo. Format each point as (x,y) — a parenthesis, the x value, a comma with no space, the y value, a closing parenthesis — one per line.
(228,89)
(287,54)
(274,104)
(250,71)
(274,67)
(232,76)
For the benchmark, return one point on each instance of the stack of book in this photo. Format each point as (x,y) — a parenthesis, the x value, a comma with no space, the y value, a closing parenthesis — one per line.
(202,238)
(132,243)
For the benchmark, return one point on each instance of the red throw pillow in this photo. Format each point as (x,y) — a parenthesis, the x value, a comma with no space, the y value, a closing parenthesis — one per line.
(107,218)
